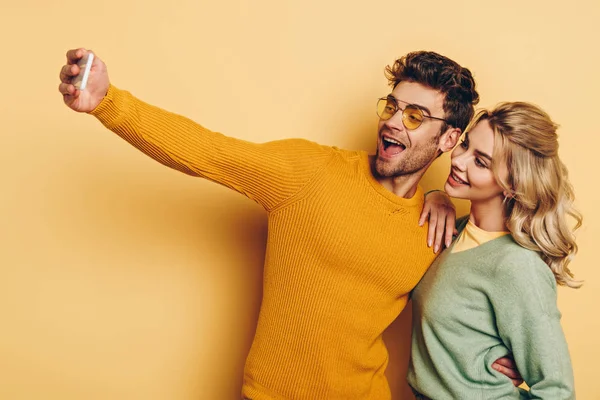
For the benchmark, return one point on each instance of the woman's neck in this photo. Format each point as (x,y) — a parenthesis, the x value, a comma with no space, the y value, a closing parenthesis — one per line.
(489,215)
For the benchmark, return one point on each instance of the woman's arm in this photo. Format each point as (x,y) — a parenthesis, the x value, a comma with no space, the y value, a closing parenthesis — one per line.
(523,297)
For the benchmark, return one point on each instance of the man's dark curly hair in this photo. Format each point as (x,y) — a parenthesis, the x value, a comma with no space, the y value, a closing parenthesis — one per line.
(440,73)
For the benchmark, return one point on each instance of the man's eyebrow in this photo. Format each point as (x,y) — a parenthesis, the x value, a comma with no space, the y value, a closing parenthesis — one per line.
(422,108)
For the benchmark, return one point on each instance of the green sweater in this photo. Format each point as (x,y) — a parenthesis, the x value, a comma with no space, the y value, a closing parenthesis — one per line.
(475,306)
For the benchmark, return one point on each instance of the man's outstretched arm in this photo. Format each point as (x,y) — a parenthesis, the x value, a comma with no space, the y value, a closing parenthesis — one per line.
(269,173)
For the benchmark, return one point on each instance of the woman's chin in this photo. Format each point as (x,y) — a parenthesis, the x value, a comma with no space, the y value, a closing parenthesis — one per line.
(453,192)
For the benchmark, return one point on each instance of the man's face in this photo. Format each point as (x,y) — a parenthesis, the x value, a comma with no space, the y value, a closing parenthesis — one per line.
(404,152)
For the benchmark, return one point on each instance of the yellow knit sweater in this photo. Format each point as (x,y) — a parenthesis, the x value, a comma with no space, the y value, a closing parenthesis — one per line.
(342,251)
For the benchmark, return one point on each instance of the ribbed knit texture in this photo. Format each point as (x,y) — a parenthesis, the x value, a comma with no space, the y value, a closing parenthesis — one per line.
(342,251)
(475,306)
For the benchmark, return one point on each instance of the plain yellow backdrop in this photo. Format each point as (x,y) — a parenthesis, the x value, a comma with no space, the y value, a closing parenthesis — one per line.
(122,279)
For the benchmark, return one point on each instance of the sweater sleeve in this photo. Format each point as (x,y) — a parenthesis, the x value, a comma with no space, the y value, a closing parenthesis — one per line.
(523,296)
(461,222)
(269,173)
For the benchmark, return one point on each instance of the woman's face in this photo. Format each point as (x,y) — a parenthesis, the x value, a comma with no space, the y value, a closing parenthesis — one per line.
(471,175)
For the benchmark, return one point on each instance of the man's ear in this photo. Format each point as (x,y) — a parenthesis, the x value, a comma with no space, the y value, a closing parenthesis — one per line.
(449,139)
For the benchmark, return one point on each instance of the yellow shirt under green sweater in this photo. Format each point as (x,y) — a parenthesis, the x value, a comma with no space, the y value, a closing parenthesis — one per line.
(473,236)
(342,251)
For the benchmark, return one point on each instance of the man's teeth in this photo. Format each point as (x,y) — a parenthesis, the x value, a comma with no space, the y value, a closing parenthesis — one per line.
(389,141)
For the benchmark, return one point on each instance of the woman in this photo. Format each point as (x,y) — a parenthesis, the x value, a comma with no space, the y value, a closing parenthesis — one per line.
(493,291)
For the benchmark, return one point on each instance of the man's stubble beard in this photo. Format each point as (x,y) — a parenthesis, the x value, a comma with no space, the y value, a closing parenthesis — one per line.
(408,165)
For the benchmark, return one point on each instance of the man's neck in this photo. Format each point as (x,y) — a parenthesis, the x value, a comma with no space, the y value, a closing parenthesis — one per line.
(402,186)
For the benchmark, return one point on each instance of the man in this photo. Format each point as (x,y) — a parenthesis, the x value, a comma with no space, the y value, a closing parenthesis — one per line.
(344,246)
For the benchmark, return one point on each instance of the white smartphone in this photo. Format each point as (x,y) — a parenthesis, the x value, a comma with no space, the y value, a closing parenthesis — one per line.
(85,66)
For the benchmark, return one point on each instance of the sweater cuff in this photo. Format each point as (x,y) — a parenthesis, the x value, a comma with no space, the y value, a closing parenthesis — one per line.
(113,107)
(431,191)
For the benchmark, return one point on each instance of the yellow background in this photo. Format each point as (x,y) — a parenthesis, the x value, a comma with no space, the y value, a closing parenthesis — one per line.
(122,279)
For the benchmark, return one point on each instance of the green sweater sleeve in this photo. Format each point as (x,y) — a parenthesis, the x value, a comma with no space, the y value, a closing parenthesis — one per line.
(269,173)
(461,222)
(523,296)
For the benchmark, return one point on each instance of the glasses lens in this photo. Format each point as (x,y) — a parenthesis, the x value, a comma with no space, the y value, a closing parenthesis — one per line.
(385,109)
(412,117)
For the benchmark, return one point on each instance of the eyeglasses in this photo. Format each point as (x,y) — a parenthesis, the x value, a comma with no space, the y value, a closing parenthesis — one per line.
(412,115)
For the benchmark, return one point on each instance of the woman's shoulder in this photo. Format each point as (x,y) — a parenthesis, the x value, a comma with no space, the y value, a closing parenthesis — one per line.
(512,260)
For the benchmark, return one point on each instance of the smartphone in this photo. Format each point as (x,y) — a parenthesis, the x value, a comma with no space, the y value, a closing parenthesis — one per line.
(85,66)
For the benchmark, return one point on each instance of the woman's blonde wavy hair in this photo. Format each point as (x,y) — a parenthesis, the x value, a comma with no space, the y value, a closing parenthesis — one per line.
(539,203)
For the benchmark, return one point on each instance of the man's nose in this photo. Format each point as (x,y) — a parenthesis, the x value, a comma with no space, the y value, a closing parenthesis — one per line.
(396,122)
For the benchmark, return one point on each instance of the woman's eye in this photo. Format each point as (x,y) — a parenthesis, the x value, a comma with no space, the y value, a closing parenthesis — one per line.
(479,163)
